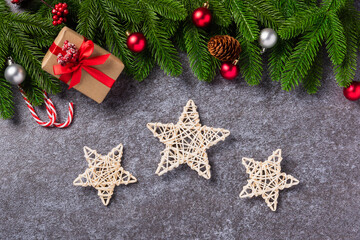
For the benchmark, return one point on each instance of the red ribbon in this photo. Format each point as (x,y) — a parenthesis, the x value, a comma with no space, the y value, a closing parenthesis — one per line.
(72,71)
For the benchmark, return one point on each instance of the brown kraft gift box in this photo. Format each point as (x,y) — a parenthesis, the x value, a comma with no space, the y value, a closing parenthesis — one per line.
(88,85)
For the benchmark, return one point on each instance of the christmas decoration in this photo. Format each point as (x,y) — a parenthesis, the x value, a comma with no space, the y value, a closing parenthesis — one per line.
(266,179)
(229,71)
(14,73)
(352,92)
(303,27)
(17,2)
(267,38)
(186,142)
(59,12)
(224,47)
(136,42)
(71,54)
(201,16)
(104,173)
(101,68)
(51,112)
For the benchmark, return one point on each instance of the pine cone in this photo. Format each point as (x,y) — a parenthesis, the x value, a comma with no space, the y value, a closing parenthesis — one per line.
(224,47)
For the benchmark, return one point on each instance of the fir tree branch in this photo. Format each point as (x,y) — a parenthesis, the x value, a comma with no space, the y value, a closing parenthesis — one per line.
(303,56)
(335,39)
(244,18)
(221,15)
(300,22)
(167,8)
(161,47)
(333,5)
(202,63)
(279,55)
(6,99)
(345,72)
(250,61)
(127,9)
(143,63)
(311,81)
(268,15)
(88,19)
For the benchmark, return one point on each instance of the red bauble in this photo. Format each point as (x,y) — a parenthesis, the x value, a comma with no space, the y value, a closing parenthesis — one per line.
(201,17)
(136,42)
(229,71)
(352,92)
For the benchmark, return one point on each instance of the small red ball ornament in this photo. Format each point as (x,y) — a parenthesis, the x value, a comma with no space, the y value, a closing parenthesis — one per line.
(136,42)
(352,92)
(201,17)
(229,71)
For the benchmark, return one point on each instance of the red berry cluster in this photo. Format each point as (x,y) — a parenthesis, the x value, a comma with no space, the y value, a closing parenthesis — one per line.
(17,2)
(59,13)
(71,56)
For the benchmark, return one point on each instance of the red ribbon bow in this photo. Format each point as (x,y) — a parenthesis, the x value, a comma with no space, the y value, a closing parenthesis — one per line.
(72,71)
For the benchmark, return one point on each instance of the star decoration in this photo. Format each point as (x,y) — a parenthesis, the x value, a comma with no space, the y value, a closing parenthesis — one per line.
(104,172)
(186,142)
(266,179)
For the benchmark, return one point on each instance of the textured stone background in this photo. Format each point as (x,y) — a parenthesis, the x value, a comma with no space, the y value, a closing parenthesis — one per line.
(319,136)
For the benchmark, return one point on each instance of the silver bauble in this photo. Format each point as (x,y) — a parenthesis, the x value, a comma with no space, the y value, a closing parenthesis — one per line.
(268,38)
(15,73)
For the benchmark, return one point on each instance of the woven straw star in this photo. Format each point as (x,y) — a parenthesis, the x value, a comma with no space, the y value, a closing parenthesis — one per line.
(104,172)
(186,142)
(266,179)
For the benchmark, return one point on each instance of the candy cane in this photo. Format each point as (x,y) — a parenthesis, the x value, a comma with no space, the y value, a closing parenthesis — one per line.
(51,111)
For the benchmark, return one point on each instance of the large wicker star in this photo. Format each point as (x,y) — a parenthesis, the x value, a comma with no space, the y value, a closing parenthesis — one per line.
(266,179)
(104,172)
(186,142)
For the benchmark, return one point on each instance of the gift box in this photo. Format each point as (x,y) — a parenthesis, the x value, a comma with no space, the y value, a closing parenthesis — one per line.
(93,74)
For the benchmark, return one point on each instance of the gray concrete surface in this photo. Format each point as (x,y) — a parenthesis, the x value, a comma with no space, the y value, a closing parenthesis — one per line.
(319,136)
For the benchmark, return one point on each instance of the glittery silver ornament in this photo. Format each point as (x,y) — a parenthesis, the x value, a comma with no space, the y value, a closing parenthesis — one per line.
(14,73)
(268,38)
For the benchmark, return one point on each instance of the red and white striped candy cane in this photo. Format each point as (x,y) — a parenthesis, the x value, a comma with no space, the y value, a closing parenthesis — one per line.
(51,111)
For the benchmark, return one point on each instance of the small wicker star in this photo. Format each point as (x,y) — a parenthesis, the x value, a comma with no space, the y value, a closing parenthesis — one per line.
(104,172)
(186,142)
(266,179)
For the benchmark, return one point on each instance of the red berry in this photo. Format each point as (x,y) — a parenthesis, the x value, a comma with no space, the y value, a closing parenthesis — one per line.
(61,9)
(55,17)
(59,22)
(61,19)
(65,19)
(54,23)
(66,12)
(64,5)
(53,11)
(59,14)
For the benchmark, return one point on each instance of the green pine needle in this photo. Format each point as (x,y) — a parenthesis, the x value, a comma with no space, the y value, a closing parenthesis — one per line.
(6,99)
(335,39)
(167,8)
(299,23)
(301,59)
(250,61)
(245,19)
(312,81)
(160,46)
(268,15)
(202,63)
(279,55)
